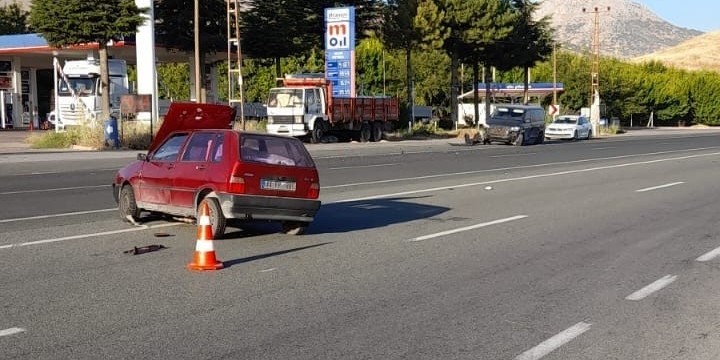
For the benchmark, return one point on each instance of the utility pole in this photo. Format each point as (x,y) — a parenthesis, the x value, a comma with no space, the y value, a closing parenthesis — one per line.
(196,23)
(595,67)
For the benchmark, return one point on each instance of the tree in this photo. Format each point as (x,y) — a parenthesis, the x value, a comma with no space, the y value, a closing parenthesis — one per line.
(175,28)
(71,22)
(13,20)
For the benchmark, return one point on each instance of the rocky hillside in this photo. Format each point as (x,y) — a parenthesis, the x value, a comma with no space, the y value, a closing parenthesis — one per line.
(627,30)
(698,53)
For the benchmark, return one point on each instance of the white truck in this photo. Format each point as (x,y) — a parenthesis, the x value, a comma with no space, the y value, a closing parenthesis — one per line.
(79,97)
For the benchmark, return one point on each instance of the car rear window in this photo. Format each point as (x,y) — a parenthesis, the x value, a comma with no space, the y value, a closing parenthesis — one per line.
(274,151)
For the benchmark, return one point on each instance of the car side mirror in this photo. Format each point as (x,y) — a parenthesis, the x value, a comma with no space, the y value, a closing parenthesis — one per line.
(142,157)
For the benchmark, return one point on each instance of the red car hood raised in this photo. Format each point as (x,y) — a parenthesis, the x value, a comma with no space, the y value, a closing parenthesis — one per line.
(192,116)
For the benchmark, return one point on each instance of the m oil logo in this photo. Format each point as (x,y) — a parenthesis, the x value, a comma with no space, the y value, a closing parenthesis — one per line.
(338,36)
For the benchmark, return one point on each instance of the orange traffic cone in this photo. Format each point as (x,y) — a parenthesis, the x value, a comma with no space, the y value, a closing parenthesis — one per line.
(204,258)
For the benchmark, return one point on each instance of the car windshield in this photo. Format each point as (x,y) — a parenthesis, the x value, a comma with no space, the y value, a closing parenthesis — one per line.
(274,150)
(565,121)
(504,114)
(286,98)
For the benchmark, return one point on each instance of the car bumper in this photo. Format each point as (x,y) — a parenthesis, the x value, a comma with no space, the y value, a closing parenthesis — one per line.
(559,135)
(247,207)
(287,129)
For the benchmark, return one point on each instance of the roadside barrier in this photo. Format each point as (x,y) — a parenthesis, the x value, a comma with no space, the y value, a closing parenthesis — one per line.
(204,258)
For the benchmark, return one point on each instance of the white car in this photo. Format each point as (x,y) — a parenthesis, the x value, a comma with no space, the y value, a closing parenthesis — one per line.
(569,127)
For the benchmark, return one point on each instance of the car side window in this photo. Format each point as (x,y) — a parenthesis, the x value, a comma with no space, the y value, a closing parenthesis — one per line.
(217,150)
(170,149)
(199,146)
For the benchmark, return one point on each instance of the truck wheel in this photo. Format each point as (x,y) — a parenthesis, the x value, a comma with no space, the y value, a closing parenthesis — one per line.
(294,227)
(318,132)
(365,132)
(377,130)
(217,219)
(126,203)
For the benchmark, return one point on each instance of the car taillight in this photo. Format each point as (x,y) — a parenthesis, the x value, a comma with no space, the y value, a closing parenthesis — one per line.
(314,191)
(236,184)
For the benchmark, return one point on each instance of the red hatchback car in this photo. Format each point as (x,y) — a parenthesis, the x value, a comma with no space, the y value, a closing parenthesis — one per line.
(196,157)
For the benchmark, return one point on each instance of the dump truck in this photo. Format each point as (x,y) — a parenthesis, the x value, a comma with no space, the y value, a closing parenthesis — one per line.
(304,107)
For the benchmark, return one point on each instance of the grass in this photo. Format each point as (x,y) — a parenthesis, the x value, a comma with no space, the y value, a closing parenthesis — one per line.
(91,137)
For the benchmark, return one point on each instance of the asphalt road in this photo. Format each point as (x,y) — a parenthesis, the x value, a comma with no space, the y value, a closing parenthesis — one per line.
(601,249)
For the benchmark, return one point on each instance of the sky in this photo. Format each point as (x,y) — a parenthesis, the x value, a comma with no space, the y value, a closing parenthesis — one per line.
(703,15)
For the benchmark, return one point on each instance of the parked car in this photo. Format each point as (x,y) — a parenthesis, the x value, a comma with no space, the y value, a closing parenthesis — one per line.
(569,127)
(516,124)
(196,157)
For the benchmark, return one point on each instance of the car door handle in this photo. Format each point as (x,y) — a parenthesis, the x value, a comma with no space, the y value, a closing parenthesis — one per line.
(200,167)
(171,166)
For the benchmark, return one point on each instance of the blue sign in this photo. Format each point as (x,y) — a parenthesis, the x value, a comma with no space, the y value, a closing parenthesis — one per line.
(340,50)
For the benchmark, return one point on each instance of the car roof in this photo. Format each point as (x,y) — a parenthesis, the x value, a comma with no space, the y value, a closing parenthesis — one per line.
(519,106)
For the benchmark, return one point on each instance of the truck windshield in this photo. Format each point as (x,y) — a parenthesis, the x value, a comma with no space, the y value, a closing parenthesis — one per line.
(84,86)
(286,98)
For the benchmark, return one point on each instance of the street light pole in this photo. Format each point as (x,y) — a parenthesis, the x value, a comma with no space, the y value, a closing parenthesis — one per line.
(196,23)
(595,68)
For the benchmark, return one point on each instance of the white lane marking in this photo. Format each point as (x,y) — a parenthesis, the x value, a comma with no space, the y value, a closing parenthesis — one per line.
(521,178)
(55,189)
(512,155)
(361,166)
(84,236)
(554,342)
(402,152)
(655,286)
(604,148)
(660,186)
(60,172)
(11,331)
(56,215)
(267,270)
(466,228)
(709,255)
(522,167)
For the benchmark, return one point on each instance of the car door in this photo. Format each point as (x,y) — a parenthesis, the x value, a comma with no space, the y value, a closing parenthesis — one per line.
(193,171)
(584,127)
(155,177)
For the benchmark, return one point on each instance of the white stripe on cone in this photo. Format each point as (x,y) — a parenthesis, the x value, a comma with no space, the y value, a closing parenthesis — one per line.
(204,246)
(204,220)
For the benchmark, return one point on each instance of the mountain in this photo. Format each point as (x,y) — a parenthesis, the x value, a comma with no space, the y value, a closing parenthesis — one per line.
(627,30)
(698,53)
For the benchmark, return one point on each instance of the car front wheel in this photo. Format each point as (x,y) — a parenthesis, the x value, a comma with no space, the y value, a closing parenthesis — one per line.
(294,227)
(127,206)
(519,141)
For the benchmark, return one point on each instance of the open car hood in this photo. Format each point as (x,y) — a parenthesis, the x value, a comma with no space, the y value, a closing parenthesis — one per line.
(192,116)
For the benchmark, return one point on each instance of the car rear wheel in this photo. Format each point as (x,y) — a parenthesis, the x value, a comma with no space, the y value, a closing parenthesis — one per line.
(127,206)
(589,135)
(294,227)
(217,219)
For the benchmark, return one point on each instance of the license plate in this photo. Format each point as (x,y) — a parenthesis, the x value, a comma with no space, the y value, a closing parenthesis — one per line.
(267,184)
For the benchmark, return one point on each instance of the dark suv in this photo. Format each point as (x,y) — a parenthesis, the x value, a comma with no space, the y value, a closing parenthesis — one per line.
(516,124)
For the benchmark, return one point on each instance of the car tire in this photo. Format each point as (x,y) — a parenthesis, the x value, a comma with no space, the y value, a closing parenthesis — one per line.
(540,138)
(127,206)
(589,136)
(576,136)
(294,227)
(217,219)
(519,140)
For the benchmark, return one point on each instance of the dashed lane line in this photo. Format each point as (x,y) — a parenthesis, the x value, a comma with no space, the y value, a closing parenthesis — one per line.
(11,331)
(53,189)
(554,342)
(84,236)
(709,255)
(655,286)
(56,215)
(660,186)
(466,228)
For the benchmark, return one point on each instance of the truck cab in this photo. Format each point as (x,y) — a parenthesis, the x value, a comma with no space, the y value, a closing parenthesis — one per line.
(79,95)
(299,108)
